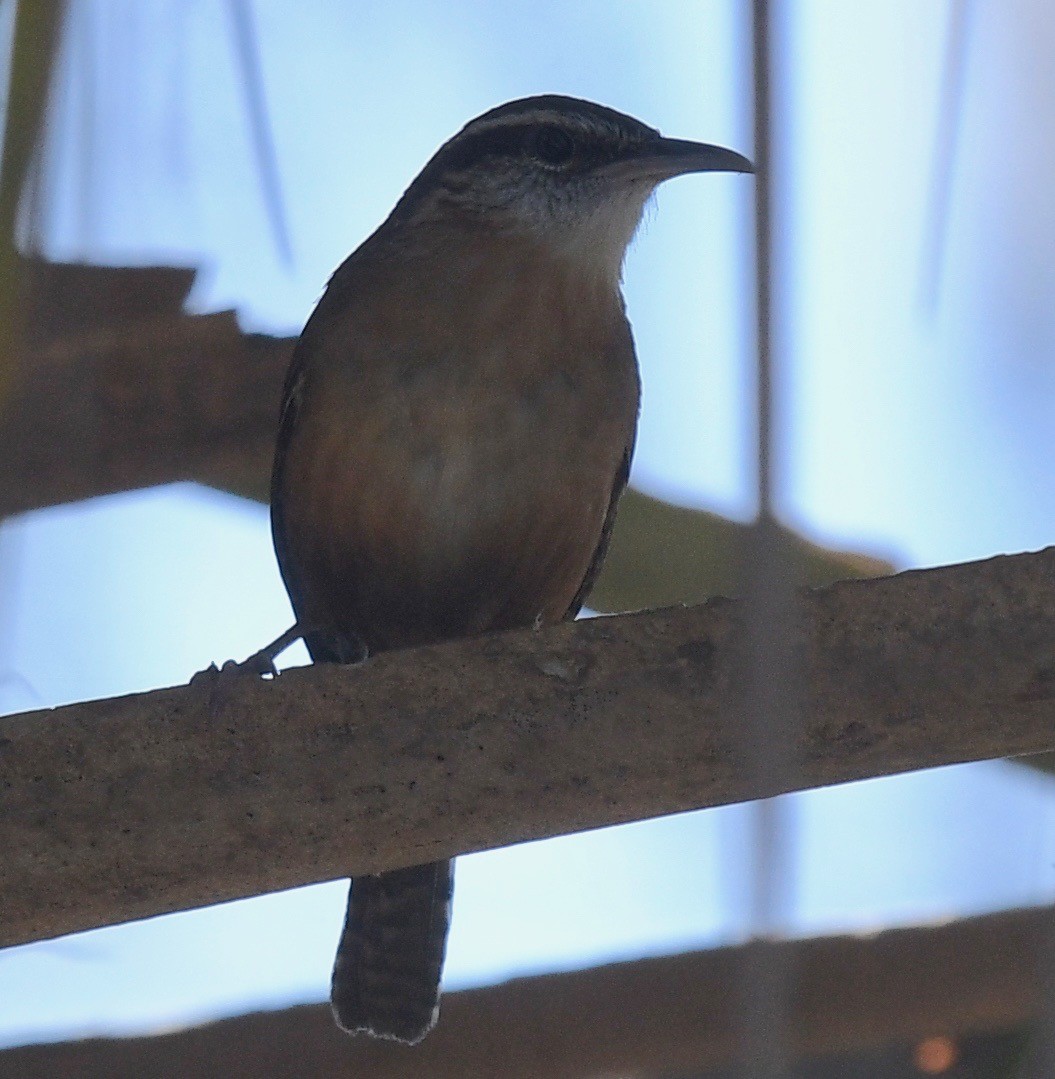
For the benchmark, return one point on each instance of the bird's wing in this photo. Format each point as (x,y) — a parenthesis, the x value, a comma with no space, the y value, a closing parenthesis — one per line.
(292,391)
(322,647)
(618,486)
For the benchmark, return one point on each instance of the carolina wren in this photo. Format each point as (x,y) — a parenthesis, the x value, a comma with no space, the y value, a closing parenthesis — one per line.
(456,430)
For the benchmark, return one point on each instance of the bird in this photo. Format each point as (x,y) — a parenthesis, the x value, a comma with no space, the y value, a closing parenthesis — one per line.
(456,429)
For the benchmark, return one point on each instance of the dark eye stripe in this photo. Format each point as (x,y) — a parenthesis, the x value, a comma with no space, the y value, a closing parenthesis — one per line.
(552,145)
(468,149)
(505,141)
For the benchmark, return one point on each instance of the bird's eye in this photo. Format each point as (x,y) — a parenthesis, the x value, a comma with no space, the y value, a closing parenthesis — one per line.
(552,146)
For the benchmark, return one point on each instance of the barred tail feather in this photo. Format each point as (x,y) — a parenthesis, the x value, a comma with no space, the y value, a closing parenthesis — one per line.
(386,977)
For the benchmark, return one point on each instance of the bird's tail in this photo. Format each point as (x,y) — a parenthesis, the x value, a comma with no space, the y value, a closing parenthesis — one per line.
(386,977)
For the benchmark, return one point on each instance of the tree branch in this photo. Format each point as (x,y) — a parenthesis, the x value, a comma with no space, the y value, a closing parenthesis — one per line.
(124,808)
(670,1016)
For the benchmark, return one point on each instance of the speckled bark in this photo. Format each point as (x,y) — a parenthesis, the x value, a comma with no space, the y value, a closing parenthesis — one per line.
(124,808)
(668,1016)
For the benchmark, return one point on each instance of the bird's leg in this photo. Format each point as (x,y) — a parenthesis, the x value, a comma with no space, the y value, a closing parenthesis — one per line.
(263,662)
(259,663)
(220,680)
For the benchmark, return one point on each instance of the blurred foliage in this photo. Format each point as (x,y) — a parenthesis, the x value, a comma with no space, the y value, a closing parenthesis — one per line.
(36,36)
(1043,762)
(662,554)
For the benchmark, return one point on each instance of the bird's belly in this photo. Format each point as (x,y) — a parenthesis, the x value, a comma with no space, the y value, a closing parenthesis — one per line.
(422,531)
(515,531)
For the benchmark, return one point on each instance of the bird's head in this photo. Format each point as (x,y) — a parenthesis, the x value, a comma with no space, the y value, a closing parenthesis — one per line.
(574,174)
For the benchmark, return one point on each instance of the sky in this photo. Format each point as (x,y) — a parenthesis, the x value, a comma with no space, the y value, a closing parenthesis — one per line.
(919,430)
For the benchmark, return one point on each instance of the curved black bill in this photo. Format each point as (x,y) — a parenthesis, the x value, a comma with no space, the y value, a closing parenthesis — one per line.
(664,158)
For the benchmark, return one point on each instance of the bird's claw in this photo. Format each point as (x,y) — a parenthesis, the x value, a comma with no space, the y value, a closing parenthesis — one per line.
(220,681)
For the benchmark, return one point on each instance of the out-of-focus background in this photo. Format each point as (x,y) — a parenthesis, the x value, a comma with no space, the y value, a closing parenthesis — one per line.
(262,142)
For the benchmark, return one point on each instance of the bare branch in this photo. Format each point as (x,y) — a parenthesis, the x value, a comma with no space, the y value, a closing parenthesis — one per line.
(140,805)
(669,1016)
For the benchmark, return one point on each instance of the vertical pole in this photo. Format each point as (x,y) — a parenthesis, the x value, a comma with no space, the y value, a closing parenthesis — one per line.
(769,669)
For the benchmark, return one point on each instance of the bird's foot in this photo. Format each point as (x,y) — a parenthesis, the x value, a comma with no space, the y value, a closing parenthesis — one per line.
(220,681)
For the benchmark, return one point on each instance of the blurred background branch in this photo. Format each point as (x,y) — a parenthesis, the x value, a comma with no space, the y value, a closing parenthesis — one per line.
(667,1016)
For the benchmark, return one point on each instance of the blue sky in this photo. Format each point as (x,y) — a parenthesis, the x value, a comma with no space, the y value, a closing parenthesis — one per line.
(919,432)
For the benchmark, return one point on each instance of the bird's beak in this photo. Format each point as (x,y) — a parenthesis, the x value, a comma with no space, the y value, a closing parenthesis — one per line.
(663,158)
